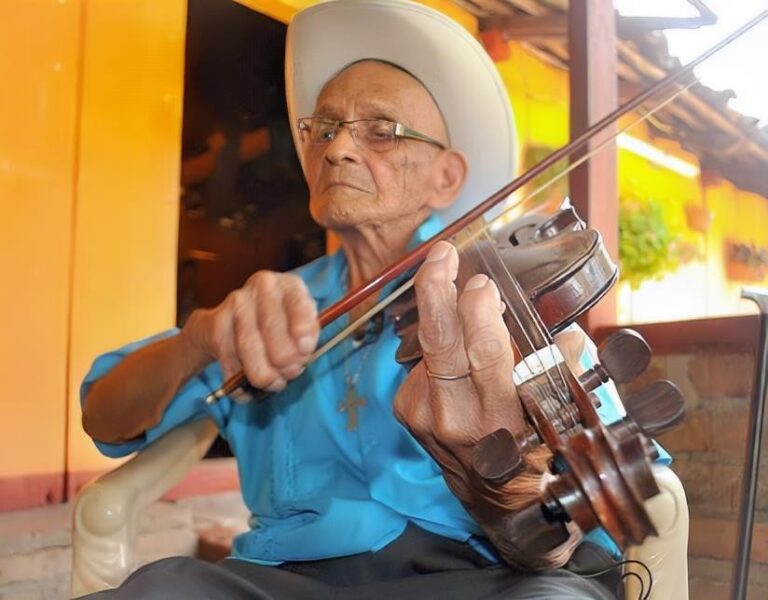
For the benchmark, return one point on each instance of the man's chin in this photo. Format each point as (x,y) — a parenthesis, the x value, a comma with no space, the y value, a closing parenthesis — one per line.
(338,220)
(340,208)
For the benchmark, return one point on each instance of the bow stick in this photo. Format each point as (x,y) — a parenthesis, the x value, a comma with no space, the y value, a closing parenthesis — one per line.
(418,254)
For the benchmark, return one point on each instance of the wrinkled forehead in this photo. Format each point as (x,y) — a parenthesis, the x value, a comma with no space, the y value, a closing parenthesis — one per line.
(378,101)
(376,62)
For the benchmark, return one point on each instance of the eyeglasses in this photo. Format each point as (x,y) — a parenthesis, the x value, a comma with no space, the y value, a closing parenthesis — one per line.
(378,135)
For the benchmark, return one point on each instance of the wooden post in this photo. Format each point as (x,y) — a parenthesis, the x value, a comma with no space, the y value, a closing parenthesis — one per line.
(594,94)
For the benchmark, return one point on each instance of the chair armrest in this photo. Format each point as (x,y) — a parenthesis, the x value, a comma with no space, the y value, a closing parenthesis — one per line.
(104,518)
(666,555)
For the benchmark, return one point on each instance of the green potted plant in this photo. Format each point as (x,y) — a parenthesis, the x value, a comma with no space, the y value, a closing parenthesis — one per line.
(647,244)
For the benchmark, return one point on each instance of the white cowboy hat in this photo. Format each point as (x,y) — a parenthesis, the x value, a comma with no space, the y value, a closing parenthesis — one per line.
(450,63)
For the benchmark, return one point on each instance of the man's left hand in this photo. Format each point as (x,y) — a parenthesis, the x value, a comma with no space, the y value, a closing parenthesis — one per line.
(463,391)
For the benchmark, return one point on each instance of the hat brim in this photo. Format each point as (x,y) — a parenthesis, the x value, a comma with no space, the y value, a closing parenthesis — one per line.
(450,63)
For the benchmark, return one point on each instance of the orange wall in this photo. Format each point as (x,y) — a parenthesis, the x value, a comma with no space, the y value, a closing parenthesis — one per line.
(39,43)
(90,133)
(124,268)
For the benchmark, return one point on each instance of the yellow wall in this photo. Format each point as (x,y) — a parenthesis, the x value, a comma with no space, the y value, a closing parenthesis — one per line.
(124,283)
(90,133)
(539,96)
(39,44)
(737,216)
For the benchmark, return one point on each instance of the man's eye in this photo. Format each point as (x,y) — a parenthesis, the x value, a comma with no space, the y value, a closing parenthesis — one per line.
(325,134)
(323,131)
(379,131)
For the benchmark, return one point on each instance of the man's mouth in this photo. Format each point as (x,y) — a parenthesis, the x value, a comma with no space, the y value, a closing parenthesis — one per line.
(346,184)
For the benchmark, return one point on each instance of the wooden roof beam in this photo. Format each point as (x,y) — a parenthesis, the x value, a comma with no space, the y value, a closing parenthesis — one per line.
(635,83)
(690,100)
(537,26)
(629,27)
(527,27)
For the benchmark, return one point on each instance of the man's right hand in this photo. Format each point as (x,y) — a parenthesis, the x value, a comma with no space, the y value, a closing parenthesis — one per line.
(268,328)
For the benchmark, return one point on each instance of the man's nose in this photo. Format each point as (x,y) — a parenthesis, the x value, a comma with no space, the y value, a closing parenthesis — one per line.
(342,147)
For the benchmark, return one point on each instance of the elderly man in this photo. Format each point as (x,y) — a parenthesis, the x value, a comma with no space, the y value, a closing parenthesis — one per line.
(398,113)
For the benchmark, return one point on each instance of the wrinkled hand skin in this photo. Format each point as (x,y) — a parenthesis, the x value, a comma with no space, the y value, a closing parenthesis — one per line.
(460,333)
(268,328)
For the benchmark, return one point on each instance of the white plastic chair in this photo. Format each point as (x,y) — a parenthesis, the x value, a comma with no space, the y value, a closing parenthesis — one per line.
(106,512)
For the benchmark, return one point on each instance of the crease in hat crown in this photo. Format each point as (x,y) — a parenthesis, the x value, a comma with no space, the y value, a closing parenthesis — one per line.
(450,63)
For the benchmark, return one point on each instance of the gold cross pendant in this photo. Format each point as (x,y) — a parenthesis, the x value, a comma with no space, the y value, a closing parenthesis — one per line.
(350,405)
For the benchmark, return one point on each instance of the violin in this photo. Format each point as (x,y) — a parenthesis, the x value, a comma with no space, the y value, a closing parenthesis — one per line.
(550,270)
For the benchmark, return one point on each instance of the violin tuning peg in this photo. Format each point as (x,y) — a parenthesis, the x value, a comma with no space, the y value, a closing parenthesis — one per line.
(657,407)
(497,457)
(624,355)
(534,532)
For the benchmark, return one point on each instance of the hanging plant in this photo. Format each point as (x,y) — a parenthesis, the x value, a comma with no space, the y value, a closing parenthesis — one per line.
(647,245)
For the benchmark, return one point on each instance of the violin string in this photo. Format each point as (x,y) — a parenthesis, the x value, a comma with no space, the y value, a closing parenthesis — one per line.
(672,96)
(507,211)
(239,380)
(526,356)
(561,391)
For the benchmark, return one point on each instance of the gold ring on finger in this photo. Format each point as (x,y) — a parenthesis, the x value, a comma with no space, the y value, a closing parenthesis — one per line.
(447,377)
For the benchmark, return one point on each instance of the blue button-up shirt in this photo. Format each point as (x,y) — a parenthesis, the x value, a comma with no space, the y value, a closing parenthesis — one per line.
(315,488)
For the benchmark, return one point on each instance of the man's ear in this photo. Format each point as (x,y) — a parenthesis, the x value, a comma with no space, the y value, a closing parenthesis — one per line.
(449,176)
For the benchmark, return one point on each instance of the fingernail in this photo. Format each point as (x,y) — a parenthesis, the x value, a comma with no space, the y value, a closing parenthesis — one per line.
(476,282)
(241,396)
(277,385)
(292,372)
(438,252)
(306,344)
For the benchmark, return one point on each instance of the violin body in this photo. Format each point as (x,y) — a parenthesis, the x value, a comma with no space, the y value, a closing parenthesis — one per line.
(549,271)
(561,266)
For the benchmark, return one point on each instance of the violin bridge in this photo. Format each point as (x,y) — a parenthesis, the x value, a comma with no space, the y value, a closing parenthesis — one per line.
(537,363)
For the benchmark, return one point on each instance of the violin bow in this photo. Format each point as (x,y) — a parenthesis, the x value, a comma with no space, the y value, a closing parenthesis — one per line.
(238,381)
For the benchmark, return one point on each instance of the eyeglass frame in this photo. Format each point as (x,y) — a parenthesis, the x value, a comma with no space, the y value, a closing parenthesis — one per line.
(401,132)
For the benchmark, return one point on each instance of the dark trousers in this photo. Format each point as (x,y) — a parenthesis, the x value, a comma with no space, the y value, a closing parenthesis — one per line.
(418,565)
